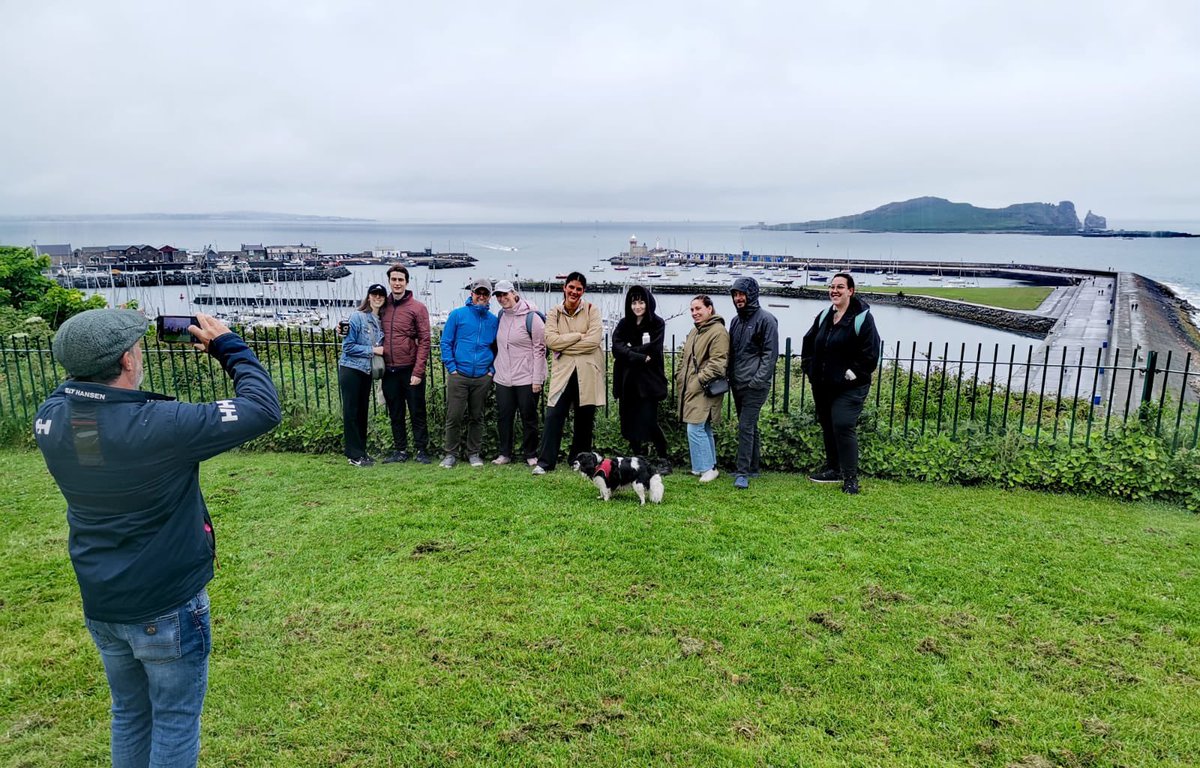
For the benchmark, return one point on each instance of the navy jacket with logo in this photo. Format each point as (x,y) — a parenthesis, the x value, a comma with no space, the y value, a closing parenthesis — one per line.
(128,464)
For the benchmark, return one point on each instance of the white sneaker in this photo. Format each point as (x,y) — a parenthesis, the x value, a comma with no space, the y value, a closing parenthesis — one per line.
(709,476)
(475,460)
(531,462)
(500,461)
(448,462)
(539,470)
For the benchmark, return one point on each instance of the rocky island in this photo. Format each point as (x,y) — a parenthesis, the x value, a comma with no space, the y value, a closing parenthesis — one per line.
(936,214)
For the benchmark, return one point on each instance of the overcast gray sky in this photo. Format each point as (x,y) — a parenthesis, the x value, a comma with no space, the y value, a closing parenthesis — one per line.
(548,110)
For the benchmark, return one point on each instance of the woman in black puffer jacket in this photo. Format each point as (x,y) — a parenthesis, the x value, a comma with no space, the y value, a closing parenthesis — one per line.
(639,379)
(839,354)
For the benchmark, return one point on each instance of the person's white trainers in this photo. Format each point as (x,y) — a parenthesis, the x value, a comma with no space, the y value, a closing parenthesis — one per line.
(500,461)
(475,460)
(710,475)
(531,462)
(539,470)
(448,462)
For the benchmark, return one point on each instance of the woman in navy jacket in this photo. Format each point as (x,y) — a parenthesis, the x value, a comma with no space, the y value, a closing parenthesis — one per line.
(363,341)
(839,354)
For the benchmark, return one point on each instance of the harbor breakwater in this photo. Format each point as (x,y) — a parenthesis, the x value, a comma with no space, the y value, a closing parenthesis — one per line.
(146,279)
(1023,323)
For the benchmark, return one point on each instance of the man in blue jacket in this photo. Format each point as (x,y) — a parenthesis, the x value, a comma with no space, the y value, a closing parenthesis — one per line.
(468,341)
(140,537)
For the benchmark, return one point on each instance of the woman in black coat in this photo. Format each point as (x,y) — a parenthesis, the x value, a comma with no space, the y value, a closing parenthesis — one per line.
(639,382)
(839,354)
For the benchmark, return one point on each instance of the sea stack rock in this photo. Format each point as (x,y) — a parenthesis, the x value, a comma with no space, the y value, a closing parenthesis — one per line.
(1067,218)
(1092,222)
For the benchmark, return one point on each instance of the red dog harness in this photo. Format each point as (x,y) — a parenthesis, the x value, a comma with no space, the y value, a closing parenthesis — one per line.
(604,470)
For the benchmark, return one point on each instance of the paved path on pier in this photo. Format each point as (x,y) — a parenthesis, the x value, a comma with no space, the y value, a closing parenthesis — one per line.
(1099,313)
(1081,339)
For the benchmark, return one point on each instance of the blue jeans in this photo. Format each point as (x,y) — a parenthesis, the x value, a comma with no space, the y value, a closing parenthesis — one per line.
(702,446)
(157,673)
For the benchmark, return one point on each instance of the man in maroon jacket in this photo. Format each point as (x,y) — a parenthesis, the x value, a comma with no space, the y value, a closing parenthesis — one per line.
(406,343)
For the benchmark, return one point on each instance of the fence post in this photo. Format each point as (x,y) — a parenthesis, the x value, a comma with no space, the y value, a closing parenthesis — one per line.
(1148,380)
(787,372)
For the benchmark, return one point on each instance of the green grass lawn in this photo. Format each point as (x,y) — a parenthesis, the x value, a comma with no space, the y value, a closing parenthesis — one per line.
(1005,297)
(407,615)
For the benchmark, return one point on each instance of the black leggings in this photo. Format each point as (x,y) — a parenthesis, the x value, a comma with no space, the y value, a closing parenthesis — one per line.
(838,412)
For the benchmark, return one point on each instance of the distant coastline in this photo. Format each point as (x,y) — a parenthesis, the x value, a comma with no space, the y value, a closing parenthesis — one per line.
(935,215)
(217,216)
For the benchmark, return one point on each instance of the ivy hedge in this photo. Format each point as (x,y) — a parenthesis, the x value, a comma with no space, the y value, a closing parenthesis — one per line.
(1130,463)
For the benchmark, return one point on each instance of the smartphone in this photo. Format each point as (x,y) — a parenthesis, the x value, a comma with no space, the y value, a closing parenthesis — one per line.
(173,329)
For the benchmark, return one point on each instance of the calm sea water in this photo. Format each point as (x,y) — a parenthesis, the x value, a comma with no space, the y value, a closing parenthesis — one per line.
(534,251)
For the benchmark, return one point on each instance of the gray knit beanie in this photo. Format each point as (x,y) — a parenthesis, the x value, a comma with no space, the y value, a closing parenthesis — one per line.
(92,342)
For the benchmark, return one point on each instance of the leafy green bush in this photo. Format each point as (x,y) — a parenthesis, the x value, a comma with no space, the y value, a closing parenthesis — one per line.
(1130,463)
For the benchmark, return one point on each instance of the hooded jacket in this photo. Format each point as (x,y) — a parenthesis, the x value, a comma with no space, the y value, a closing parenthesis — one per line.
(520,348)
(753,341)
(704,357)
(406,339)
(632,343)
(467,340)
(830,349)
(128,464)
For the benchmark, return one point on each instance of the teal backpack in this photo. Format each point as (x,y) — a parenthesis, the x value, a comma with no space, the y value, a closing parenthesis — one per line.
(858,319)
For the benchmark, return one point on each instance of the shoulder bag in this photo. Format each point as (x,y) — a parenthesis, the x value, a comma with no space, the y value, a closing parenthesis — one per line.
(714,387)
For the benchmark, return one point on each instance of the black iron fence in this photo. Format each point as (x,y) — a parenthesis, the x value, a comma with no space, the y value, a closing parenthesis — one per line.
(1047,395)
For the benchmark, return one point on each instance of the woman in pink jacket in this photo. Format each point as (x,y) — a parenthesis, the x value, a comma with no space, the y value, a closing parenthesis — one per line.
(520,371)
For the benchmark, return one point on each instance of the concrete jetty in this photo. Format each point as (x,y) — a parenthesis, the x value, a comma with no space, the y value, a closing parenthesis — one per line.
(1104,327)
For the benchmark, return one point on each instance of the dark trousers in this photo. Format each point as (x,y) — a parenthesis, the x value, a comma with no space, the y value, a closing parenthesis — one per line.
(401,395)
(465,398)
(556,419)
(639,424)
(509,402)
(355,388)
(749,404)
(838,412)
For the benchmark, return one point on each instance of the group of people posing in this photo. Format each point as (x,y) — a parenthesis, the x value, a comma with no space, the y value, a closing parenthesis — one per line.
(519,349)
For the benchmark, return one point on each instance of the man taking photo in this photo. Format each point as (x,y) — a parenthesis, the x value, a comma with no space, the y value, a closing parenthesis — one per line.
(140,537)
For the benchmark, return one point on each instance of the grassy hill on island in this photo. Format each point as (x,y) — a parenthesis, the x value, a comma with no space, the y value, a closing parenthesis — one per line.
(935,214)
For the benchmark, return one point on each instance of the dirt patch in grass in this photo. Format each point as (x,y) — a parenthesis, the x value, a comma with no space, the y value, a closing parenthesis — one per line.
(931,647)
(556,731)
(545,644)
(640,591)
(999,722)
(959,620)
(694,646)
(430,547)
(28,724)
(1094,726)
(744,729)
(827,621)
(1031,761)
(876,598)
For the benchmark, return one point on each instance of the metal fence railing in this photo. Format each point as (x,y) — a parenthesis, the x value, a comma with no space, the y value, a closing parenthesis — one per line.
(1047,395)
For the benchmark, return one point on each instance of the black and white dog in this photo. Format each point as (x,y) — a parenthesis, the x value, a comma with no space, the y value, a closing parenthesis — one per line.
(619,472)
